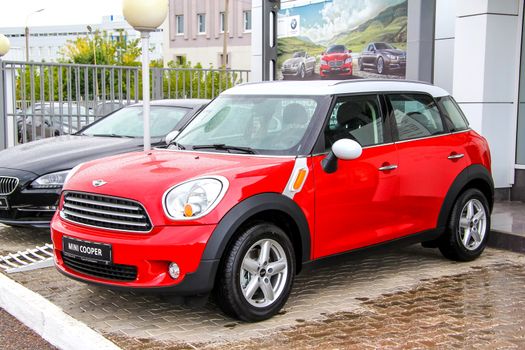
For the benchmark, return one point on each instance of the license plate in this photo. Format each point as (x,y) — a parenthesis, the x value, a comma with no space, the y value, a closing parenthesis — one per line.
(3,203)
(336,69)
(90,251)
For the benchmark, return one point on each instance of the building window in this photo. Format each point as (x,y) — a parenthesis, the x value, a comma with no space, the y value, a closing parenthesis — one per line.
(247,16)
(222,18)
(180,60)
(201,23)
(228,60)
(179,21)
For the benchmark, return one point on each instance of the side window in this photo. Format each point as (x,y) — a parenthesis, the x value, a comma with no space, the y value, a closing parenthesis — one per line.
(357,118)
(452,113)
(416,116)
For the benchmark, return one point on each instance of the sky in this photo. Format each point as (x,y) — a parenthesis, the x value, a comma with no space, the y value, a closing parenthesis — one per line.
(13,13)
(322,20)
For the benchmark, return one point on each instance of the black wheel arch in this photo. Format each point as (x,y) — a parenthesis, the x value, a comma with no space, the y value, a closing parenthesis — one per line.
(272,207)
(474,176)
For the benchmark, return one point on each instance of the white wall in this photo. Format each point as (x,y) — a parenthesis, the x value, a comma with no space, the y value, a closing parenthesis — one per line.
(444,40)
(485,73)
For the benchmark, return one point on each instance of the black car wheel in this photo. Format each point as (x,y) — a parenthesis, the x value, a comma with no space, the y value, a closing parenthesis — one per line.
(380,65)
(360,64)
(256,276)
(468,228)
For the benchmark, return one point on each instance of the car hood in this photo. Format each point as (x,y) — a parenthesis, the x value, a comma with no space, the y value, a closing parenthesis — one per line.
(293,60)
(63,152)
(336,56)
(395,52)
(145,177)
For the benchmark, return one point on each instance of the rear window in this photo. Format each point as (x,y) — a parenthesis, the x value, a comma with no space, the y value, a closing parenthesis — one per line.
(453,114)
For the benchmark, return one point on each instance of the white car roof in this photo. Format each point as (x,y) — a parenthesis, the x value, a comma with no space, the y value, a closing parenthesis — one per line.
(333,87)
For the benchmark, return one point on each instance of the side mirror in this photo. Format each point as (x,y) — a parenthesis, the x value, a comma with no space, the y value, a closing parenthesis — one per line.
(171,136)
(344,149)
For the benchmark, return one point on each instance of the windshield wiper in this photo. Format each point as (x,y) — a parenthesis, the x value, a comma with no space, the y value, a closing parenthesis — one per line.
(176,144)
(223,147)
(112,135)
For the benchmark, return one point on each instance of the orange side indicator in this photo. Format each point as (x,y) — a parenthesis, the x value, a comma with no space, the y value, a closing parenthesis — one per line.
(188,210)
(299,180)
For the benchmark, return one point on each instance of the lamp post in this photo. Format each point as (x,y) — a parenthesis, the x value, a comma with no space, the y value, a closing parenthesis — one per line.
(145,16)
(95,75)
(27,32)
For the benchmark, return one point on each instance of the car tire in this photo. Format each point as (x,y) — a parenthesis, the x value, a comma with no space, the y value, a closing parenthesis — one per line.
(380,65)
(247,288)
(468,228)
(360,65)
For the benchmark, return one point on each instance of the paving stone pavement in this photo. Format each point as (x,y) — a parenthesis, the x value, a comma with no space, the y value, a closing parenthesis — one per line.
(14,239)
(373,299)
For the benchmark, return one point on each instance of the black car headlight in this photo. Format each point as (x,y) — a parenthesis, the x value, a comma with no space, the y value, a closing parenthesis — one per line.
(51,180)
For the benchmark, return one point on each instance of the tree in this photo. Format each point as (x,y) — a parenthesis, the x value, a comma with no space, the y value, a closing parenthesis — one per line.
(108,50)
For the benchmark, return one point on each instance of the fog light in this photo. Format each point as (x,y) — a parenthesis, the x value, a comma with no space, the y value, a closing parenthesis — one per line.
(174,271)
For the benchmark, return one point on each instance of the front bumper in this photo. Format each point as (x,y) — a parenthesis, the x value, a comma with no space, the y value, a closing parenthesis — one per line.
(344,70)
(26,206)
(290,71)
(150,253)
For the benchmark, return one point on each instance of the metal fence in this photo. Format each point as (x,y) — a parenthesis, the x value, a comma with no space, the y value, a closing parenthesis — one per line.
(41,100)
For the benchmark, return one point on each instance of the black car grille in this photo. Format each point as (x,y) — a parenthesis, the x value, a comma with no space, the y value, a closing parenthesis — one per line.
(110,272)
(106,212)
(335,63)
(8,185)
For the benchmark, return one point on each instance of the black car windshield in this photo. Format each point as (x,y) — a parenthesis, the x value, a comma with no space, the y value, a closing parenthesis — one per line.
(383,46)
(128,122)
(336,49)
(299,54)
(251,124)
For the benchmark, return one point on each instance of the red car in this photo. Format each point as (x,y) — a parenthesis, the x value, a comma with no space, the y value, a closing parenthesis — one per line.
(336,62)
(270,177)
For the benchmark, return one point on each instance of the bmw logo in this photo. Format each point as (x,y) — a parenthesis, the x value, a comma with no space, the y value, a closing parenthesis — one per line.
(293,24)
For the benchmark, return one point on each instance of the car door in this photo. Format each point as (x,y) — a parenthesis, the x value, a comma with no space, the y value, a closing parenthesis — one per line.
(355,206)
(368,55)
(430,158)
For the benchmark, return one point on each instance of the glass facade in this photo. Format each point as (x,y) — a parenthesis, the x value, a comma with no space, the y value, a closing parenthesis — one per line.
(520,147)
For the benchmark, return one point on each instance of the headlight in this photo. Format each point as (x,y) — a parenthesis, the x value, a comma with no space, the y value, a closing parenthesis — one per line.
(195,198)
(53,180)
(392,57)
(323,63)
(348,60)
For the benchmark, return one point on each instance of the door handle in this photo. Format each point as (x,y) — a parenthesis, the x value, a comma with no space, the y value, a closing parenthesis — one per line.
(388,167)
(454,155)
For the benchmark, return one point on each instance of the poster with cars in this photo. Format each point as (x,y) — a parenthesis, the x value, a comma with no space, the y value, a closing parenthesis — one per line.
(342,39)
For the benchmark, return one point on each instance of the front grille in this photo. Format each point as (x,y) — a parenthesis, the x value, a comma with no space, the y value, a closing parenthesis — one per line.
(8,185)
(110,272)
(335,63)
(106,212)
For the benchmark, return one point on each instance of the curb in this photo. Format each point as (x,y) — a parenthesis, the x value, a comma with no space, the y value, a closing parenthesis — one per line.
(48,320)
(507,241)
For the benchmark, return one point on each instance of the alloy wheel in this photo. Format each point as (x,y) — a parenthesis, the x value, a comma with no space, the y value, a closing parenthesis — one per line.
(264,272)
(472,224)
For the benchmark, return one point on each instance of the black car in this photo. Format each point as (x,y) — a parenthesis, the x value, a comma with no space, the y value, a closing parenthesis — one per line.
(383,58)
(32,174)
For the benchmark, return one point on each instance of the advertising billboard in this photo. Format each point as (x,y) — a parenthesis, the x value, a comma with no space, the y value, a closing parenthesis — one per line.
(342,39)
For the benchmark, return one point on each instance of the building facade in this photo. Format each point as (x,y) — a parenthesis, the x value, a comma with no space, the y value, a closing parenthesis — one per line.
(45,42)
(195,32)
(479,57)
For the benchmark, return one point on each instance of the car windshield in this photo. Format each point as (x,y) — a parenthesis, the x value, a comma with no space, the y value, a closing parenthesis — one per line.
(128,122)
(336,49)
(299,54)
(251,124)
(383,46)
